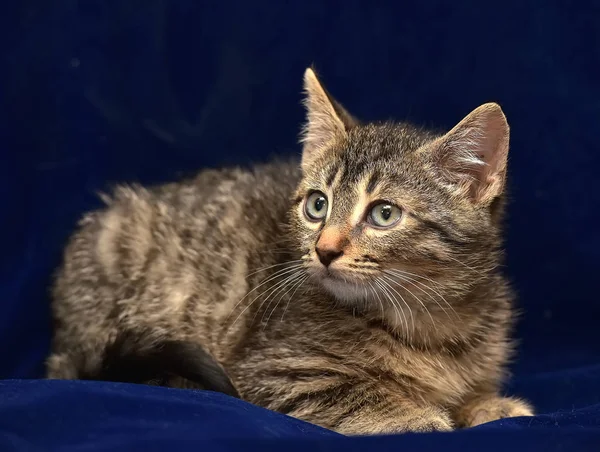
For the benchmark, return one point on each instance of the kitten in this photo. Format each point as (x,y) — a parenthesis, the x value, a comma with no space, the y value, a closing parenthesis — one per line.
(358,290)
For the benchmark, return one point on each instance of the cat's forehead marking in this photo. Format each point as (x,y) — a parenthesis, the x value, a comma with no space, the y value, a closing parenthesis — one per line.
(333,179)
(363,199)
(374,179)
(334,173)
(336,177)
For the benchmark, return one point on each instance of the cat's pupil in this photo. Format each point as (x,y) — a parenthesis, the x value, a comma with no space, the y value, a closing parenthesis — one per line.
(386,212)
(319,203)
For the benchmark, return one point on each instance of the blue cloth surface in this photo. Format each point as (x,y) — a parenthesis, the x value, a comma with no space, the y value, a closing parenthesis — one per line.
(101,91)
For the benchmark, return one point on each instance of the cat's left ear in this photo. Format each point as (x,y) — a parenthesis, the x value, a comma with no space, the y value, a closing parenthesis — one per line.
(473,155)
(326,119)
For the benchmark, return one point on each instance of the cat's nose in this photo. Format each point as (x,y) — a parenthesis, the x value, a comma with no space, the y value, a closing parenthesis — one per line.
(330,245)
(328,255)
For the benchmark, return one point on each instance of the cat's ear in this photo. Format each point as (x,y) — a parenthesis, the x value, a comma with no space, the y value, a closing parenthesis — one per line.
(326,119)
(473,155)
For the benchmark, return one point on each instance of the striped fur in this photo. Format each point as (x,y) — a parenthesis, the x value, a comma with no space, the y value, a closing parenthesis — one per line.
(407,330)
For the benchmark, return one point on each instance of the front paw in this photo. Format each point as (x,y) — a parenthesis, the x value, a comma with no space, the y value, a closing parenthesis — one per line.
(429,420)
(410,419)
(494,408)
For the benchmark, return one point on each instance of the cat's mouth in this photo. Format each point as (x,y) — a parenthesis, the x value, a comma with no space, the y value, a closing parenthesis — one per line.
(343,289)
(344,274)
(342,284)
(331,273)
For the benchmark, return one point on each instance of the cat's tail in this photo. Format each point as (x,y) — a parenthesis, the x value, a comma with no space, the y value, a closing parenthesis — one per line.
(132,359)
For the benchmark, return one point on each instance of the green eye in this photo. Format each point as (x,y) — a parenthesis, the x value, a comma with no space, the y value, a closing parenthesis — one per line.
(315,207)
(384,215)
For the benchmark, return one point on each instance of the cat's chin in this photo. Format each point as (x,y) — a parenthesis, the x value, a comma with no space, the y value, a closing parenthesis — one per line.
(344,291)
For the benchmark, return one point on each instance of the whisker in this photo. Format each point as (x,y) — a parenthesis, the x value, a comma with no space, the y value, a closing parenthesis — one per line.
(395,304)
(276,275)
(273,266)
(294,293)
(413,295)
(479,272)
(270,291)
(292,284)
(273,290)
(412,319)
(387,295)
(289,280)
(378,298)
(403,274)
(414,282)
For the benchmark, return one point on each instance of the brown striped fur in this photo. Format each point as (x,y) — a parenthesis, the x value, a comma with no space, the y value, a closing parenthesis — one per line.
(406,330)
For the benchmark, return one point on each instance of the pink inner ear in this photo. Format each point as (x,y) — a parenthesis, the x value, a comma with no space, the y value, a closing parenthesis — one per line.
(474,153)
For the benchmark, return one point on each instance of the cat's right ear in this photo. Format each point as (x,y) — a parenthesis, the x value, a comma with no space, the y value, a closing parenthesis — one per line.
(326,119)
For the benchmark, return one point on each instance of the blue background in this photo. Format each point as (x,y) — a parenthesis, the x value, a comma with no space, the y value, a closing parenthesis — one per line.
(101,91)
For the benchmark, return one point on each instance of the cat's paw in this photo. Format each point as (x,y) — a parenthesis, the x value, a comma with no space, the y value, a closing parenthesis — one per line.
(60,367)
(407,420)
(494,408)
(429,420)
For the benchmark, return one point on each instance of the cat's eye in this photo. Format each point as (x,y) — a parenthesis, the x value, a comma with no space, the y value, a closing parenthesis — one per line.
(384,215)
(315,207)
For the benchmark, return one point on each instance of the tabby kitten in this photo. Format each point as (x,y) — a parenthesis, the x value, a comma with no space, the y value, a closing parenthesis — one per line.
(359,290)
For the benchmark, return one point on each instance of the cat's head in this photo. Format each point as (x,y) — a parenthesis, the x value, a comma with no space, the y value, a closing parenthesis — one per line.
(390,211)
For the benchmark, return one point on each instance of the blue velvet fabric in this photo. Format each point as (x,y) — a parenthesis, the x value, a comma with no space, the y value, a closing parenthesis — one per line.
(100,91)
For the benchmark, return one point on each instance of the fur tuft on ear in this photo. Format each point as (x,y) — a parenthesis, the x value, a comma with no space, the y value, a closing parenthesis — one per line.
(326,119)
(473,155)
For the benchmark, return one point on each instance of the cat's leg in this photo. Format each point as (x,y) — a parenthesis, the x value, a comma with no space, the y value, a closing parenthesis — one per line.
(490,407)
(71,360)
(61,366)
(402,418)
(73,365)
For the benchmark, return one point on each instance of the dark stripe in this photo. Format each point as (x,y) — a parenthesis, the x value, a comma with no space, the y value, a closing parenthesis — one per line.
(354,403)
(450,348)
(368,258)
(352,174)
(373,181)
(332,175)
(361,396)
(297,375)
(327,397)
(443,233)
(189,307)
(457,349)
(380,324)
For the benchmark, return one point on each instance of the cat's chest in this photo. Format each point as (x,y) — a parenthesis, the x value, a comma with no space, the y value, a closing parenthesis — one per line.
(365,348)
(436,376)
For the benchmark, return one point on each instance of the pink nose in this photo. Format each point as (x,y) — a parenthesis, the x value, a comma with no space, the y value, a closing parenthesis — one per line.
(330,245)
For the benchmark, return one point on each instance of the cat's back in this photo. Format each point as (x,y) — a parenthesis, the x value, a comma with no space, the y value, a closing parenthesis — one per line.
(152,253)
(190,215)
